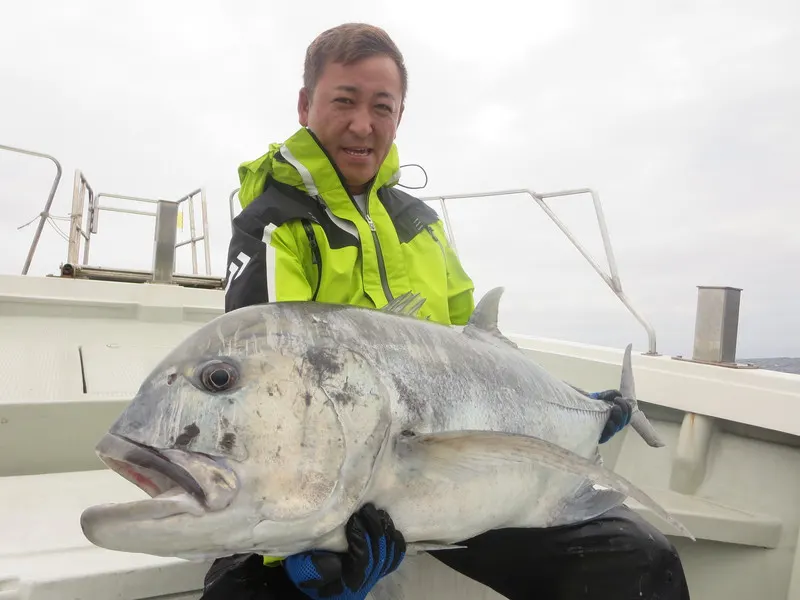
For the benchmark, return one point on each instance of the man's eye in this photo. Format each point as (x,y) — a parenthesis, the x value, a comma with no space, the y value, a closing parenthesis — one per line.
(344,100)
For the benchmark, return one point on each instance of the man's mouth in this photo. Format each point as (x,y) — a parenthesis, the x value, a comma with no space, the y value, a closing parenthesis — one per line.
(358,151)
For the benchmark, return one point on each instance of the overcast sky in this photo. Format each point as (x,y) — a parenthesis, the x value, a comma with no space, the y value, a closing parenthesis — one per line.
(685,116)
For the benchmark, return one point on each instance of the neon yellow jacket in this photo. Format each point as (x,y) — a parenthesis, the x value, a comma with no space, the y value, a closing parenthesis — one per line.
(301,236)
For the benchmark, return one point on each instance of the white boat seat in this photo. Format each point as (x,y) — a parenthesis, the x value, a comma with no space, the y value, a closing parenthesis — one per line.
(44,555)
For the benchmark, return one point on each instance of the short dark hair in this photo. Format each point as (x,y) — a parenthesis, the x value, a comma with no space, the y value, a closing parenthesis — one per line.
(349,43)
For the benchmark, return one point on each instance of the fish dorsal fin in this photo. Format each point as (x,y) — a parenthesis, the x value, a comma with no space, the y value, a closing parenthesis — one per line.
(406,304)
(484,318)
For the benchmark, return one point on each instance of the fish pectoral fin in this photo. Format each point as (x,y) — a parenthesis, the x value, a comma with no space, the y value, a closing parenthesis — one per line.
(589,502)
(456,452)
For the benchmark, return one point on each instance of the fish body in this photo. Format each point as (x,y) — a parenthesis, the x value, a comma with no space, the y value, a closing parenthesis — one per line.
(268,427)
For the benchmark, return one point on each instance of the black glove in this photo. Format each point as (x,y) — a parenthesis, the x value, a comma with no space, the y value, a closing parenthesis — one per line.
(619,416)
(375,549)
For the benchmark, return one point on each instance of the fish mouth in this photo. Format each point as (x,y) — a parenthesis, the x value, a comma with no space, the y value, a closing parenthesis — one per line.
(176,481)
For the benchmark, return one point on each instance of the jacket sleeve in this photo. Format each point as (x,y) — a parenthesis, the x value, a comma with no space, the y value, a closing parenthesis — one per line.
(460,288)
(263,266)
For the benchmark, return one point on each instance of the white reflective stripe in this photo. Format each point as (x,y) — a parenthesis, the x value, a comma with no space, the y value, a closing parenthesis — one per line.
(311,187)
(342,223)
(270,263)
(394,178)
(308,180)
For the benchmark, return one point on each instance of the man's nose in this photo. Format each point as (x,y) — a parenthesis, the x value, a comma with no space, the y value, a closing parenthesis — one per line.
(361,122)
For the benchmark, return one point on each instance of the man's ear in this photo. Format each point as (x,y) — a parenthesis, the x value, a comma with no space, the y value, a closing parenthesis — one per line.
(399,118)
(303,105)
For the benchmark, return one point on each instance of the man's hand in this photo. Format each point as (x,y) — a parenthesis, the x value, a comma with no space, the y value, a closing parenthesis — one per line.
(375,549)
(619,416)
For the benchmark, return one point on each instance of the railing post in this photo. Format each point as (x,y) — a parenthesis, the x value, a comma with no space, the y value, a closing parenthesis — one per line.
(716,324)
(715,331)
(75,220)
(166,233)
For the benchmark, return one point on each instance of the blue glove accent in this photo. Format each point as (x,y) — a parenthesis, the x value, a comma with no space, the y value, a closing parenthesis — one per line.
(375,550)
(619,416)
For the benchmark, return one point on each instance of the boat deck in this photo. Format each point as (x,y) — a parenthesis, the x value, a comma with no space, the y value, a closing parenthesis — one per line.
(79,349)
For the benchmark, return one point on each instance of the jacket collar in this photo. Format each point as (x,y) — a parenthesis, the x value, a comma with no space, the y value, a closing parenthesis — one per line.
(300,161)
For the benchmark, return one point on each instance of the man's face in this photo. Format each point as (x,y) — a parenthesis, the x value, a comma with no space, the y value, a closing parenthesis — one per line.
(354,112)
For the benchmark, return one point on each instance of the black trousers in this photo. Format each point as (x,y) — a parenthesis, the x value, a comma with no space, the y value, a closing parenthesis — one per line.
(618,556)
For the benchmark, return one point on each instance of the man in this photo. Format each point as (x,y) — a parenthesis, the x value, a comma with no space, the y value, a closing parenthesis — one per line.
(323,221)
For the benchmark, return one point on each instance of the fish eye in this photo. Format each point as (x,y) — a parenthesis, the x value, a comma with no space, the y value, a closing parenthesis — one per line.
(218,376)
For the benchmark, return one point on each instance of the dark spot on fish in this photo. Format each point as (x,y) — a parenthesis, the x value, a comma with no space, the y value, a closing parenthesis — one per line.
(408,398)
(278,452)
(230,400)
(225,422)
(307,398)
(228,441)
(189,433)
(407,433)
(342,397)
(171,378)
(324,362)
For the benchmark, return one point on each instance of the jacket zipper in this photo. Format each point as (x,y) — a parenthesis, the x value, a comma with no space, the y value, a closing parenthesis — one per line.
(316,257)
(381,265)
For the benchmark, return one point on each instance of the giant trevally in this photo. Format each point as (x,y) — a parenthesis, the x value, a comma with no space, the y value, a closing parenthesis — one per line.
(265,429)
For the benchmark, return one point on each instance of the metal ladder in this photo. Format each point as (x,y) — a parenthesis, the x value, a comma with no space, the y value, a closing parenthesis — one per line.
(86,207)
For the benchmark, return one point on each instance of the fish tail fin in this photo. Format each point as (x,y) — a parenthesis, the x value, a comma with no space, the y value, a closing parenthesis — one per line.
(639,421)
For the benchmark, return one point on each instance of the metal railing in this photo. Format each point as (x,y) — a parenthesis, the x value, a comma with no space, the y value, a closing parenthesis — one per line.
(82,187)
(94,208)
(166,217)
(611,278)
(230,204)
(45,214)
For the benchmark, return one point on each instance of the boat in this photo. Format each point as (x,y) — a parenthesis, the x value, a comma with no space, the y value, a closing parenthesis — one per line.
(77,342)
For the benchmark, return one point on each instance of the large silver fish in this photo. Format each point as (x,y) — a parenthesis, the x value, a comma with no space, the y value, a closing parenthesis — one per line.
(269,426)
